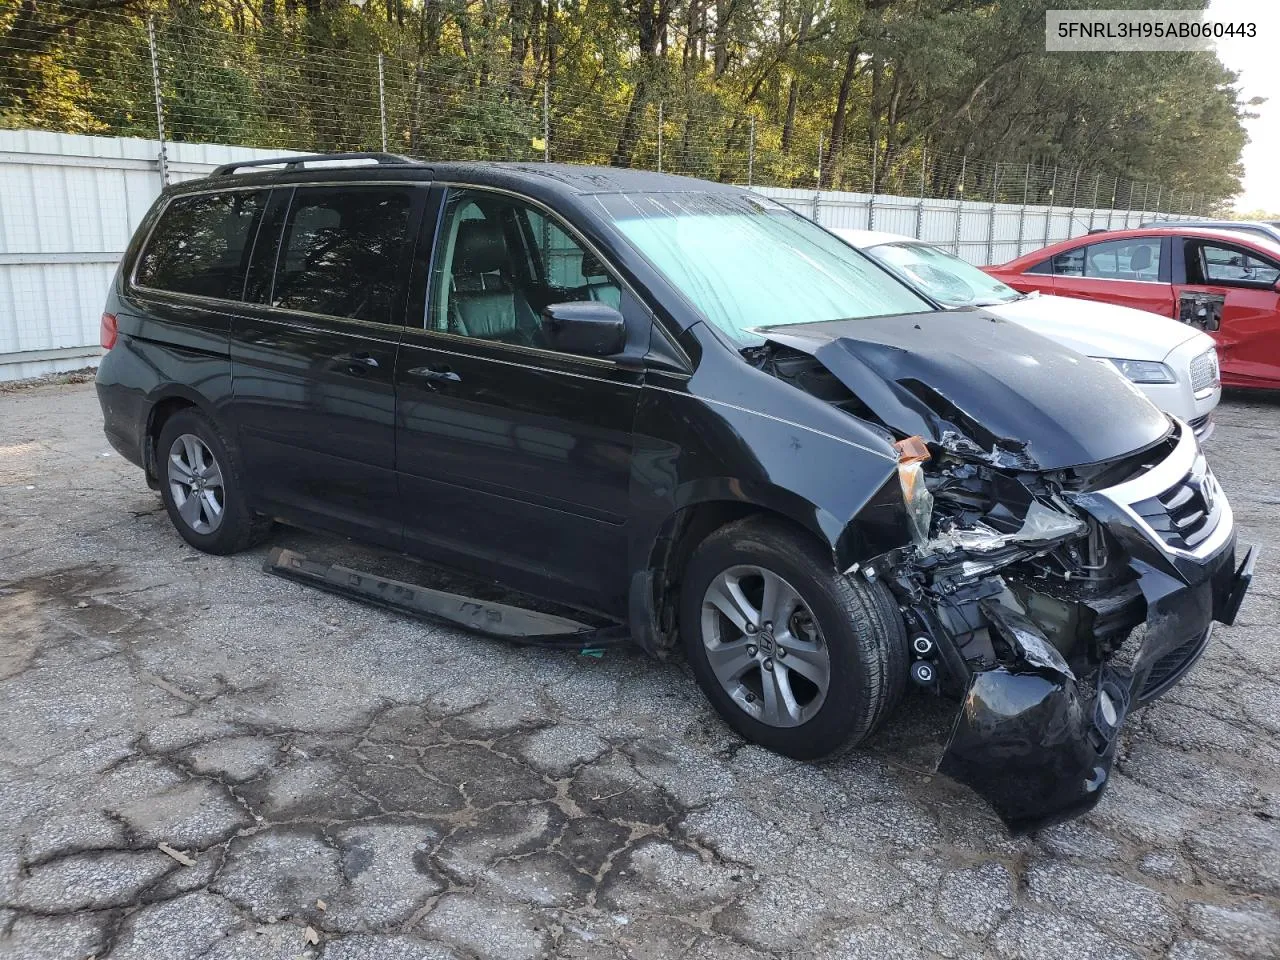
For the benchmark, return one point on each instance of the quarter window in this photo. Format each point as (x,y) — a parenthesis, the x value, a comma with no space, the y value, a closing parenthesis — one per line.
(202,244)
(1069,263)
(342,253)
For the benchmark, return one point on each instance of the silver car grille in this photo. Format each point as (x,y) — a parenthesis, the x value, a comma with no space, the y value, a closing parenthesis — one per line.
(1188,512)
(1204,371)
(1178,502)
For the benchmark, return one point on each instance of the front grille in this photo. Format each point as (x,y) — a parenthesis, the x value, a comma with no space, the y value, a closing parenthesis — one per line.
(1170,668)
(1199,424)
(1187,513)
(1204,371)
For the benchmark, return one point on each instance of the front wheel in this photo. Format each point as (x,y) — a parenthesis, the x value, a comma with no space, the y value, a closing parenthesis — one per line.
(794,655)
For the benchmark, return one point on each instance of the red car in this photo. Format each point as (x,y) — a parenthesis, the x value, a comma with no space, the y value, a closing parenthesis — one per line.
(1223,281)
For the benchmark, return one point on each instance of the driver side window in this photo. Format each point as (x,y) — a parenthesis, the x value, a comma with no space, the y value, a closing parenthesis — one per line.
(564,263)
(500,262)
(1228,265)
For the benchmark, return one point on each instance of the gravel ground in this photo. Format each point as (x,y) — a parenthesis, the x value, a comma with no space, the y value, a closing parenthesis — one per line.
(344,783)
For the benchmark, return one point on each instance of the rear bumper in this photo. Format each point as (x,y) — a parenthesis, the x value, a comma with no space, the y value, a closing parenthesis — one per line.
(123,420)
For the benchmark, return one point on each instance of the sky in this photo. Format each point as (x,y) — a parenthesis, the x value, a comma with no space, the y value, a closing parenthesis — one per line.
(1258,63)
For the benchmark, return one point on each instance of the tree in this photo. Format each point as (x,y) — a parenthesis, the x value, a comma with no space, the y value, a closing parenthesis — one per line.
(888,87)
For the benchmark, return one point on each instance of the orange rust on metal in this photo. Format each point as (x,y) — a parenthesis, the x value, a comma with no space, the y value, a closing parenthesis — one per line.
(912,450)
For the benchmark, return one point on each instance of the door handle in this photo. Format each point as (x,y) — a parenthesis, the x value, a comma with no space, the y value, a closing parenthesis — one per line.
(356,360)
(435,374)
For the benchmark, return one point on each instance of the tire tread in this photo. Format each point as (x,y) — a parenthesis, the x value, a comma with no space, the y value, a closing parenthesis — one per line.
(880,644)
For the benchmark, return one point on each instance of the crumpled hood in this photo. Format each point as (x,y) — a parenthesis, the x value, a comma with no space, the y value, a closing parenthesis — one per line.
(1097,329)
(1026,401)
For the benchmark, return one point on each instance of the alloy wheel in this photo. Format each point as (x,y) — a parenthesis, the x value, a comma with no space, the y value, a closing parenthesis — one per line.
(195,483)
(764,646)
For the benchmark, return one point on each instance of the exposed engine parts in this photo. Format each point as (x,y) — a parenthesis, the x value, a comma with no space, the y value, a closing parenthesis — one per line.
(1022,569)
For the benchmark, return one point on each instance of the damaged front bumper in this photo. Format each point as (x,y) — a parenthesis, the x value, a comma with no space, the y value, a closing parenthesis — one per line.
(1036,740)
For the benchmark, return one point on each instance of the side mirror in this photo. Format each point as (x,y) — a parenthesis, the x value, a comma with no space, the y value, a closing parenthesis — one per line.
(587,327)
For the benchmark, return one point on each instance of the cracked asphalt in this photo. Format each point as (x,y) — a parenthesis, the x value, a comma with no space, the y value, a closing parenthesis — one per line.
(353,784)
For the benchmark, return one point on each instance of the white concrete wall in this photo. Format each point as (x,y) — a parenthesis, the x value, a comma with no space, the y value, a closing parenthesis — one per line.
(68,205)
(982,233)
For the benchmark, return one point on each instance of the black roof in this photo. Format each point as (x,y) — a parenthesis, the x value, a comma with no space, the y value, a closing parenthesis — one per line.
(583,179)
(537,178)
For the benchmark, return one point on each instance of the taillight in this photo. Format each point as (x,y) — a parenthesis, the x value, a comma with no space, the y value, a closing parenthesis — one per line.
(108,331)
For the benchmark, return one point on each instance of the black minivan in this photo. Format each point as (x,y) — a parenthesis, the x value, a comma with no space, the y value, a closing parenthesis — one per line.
(682,406)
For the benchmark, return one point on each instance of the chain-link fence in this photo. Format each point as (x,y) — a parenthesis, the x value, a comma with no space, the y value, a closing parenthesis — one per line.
(179,79)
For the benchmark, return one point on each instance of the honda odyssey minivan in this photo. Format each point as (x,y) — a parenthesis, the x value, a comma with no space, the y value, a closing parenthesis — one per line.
(686,408)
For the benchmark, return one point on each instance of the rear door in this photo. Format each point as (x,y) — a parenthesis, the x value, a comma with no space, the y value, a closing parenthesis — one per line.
(515,459)
(313,363)
(1131,272)
(1229,290)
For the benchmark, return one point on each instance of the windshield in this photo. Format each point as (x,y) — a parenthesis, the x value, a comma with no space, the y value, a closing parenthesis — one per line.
(745,261)
(946,278)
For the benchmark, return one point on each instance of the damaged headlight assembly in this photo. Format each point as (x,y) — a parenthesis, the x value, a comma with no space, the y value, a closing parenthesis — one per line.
(1056,563)
(1021,591)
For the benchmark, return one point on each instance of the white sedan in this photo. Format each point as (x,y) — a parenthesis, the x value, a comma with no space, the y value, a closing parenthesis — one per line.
(1175,365)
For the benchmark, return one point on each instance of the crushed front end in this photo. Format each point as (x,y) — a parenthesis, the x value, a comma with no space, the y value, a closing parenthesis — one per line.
(1058,547)
(1054,602)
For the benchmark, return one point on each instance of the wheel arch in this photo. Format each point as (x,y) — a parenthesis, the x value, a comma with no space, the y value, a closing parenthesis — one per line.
(705,509)
(162,404)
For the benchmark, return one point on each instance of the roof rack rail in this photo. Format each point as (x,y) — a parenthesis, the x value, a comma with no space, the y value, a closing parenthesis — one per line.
(299,163)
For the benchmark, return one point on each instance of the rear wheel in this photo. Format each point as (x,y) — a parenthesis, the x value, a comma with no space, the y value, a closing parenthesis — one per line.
(202,487)
(794,655)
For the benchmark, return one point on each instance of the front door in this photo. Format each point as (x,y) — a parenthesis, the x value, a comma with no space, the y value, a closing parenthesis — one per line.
(515,459)
(1230,291)
(313,363)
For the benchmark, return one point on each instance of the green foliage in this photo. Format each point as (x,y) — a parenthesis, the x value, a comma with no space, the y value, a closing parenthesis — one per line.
(1259,214)
(886,92)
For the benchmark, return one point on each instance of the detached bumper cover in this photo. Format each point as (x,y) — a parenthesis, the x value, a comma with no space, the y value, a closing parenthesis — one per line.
(1036,741)
(1033,746)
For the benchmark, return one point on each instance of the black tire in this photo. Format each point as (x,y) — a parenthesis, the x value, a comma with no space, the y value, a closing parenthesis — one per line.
(864,637)
(238,527)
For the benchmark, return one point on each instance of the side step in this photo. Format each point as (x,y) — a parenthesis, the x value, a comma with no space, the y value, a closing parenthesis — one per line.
(490,619)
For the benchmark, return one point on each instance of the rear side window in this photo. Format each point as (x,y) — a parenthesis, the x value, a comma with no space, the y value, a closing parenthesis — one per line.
(342,253)
(1137,259)
(1109,260)
(202,244)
